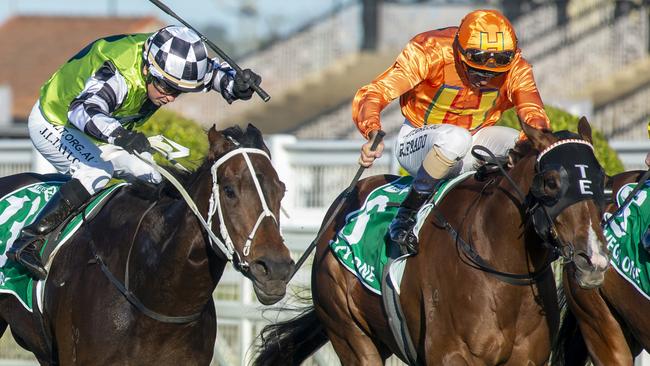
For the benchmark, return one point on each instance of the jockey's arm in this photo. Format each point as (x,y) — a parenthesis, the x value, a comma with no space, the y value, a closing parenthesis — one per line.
(91,111)
(231,85)
(525,97)
(415,63)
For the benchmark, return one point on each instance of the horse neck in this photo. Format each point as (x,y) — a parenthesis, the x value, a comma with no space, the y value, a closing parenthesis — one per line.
(180,270)
(505,210)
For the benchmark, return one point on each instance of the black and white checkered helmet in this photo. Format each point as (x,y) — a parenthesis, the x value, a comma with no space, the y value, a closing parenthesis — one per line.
(178,56)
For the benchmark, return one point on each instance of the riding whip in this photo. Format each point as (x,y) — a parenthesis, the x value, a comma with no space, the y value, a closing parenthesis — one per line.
(263,94)
(377,139)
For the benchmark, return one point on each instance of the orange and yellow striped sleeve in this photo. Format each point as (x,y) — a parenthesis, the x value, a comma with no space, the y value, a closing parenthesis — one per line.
(415,63)
(525,96)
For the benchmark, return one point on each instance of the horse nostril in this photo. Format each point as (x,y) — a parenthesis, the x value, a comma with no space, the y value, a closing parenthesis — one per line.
(260,268)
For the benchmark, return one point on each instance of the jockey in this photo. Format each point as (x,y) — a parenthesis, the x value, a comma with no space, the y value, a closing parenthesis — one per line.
(454,83)
(84,118)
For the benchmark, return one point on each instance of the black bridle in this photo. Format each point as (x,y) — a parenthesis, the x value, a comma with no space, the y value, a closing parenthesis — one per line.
(581,178)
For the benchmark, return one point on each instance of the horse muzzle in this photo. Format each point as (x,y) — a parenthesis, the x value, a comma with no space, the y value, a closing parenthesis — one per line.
(589,271)
(270,279)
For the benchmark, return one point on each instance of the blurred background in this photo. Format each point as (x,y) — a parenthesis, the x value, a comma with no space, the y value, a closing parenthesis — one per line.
(590,57)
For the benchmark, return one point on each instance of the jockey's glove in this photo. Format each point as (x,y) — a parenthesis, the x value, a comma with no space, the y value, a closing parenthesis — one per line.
(132,141)
(243,84)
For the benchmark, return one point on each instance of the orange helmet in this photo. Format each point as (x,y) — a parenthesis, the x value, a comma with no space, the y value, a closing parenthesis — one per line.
(487,41)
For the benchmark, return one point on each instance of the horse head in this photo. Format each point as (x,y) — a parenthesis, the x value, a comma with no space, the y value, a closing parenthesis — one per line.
(566,198)
(246,195)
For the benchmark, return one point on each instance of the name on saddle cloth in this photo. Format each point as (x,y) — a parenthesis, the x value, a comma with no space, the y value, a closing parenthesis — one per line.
(360,245)
(20,208)
(623,236)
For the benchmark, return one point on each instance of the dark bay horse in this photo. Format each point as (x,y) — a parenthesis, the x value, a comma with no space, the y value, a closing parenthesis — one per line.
(456,313)
(158,249)
(609,324)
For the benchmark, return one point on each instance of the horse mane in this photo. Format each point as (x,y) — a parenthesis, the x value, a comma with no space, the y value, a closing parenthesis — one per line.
(525,148)
(250,138)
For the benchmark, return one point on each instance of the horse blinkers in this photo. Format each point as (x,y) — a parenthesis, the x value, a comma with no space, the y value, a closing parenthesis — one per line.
(557,186)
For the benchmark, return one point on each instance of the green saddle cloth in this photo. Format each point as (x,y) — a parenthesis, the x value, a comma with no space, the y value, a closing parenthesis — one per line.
(623,236)
(361,243)
(20,208)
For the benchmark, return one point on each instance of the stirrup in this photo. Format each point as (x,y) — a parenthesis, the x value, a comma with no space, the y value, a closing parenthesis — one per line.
(28,257)
(410,245)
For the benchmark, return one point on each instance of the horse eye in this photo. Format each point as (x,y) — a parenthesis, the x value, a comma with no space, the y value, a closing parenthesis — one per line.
(229,191)
(551,183)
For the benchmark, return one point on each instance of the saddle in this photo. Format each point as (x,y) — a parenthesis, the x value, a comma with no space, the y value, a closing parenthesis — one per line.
(20,208)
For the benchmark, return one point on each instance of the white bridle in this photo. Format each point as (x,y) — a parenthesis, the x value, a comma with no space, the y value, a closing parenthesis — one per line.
(215,205)
(227,248)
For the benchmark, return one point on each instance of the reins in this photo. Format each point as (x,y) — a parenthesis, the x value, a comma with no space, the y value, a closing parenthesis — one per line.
(225,247)
(549,236)
(475,259)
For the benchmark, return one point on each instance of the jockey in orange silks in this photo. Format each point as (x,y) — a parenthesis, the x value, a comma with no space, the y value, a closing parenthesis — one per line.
(454,84)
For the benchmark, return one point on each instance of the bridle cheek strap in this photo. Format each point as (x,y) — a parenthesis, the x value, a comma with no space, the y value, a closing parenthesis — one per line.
(215,203)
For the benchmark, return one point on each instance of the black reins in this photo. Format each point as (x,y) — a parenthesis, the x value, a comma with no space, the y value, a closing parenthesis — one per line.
(534,211)
(123,288)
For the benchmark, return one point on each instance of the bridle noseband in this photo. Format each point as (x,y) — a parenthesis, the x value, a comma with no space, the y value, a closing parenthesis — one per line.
(226,246)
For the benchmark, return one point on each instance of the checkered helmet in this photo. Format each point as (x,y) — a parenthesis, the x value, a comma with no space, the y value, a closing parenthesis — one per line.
(177,56)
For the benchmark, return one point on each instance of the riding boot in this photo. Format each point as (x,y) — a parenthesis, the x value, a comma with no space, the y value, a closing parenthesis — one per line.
(401,228)
(27,247)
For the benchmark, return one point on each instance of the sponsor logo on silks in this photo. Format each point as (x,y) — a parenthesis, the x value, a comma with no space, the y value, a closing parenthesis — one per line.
(444,107)
(407,148)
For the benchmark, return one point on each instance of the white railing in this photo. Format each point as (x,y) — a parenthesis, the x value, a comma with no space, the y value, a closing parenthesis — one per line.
(16,156)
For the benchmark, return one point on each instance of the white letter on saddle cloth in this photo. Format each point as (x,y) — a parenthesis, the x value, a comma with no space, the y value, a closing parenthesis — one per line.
(362,220)
(15,205)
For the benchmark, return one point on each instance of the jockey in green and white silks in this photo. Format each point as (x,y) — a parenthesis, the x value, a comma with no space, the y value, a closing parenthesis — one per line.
(82,123)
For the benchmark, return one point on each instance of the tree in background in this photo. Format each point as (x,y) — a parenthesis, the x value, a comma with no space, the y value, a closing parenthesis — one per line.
(561,120)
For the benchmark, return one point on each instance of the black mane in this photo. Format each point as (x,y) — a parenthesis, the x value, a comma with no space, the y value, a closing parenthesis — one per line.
(252,137)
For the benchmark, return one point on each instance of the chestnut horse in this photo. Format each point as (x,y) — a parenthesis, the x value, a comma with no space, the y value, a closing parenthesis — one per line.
(609,324)
(157,248)
(457,313)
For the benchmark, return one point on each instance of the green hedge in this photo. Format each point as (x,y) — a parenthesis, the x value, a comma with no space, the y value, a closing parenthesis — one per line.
(561,120)
(181,130)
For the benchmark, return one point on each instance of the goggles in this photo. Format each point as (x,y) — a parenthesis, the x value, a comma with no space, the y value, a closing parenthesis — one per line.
(164,88)
(482,57)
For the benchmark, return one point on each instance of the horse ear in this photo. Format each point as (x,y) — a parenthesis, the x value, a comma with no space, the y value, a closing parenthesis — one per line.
(584,129)
(217,143)
(251,130)
(539,138)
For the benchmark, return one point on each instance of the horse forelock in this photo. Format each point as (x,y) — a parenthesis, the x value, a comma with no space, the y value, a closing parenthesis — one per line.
(252,137)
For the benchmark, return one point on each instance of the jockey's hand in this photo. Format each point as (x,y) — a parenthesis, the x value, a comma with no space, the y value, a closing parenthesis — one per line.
(368,157)
(243,84)
(132,141)
(647,160)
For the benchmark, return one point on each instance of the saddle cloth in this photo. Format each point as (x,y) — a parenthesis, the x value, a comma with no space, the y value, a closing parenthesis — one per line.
(623,235)
(361,244)
(18,209)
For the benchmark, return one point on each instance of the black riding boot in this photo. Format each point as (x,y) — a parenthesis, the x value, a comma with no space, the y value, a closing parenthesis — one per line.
(27,247)
(401,229)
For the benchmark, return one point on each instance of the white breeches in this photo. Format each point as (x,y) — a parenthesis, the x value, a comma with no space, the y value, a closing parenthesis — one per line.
(72,152)
(454,143)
